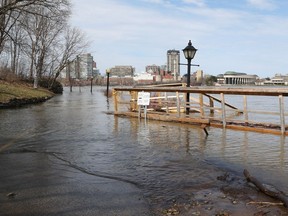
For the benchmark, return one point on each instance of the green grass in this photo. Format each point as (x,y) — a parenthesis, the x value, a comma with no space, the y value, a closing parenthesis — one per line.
(10,91)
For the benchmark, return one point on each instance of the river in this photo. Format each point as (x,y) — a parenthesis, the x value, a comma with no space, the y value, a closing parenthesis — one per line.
(163,159)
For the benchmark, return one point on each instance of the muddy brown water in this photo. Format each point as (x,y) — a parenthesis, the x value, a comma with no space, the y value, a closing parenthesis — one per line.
(167,161)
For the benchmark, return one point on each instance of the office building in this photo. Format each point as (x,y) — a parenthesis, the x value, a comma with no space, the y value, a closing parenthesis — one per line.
(173,60)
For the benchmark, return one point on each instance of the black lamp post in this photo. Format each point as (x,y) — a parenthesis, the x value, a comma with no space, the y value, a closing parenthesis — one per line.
(91,83)
(108,74)
(189,53)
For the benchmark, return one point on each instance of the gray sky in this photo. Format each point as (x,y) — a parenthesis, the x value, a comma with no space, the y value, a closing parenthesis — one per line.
(249,36)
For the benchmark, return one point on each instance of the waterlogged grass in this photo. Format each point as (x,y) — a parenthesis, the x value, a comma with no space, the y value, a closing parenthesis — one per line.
(10,91)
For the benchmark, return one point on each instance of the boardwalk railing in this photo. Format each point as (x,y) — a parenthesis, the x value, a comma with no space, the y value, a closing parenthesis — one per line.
(208,106)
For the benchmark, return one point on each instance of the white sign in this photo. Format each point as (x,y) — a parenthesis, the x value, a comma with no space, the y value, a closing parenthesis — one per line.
(143,98)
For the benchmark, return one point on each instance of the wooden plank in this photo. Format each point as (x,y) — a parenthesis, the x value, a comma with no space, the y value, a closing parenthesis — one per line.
(164,117)
(167,118)
(251,129)
(218,100)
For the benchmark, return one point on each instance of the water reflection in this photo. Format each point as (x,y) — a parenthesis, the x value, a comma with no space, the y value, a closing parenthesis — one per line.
(282,154)
(108,103)
(187,140)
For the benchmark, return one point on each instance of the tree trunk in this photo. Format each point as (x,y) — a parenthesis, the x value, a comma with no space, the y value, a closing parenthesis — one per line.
(272,192)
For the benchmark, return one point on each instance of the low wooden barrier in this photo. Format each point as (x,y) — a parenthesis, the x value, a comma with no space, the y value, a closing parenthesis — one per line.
(208,106)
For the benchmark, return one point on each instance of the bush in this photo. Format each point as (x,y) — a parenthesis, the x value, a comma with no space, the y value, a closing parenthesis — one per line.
(56,88)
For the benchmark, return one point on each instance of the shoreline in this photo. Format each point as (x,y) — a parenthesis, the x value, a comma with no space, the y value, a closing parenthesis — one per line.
(228,195)
(19,94)
(20,102)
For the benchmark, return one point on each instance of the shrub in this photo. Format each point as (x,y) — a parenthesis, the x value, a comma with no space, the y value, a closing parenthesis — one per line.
(56,88)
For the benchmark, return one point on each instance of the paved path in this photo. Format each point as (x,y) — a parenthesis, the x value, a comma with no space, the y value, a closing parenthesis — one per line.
(40,184)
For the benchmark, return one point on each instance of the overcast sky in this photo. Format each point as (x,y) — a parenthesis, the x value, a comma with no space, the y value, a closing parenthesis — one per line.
(249,36)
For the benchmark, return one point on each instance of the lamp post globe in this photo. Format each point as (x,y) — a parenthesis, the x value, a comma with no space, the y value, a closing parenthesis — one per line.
(189,53)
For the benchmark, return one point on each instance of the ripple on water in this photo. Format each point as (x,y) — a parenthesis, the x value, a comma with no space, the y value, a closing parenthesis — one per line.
(166,160)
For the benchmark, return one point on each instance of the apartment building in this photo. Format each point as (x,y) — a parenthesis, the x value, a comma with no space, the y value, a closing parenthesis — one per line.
(81,67)
(173,60)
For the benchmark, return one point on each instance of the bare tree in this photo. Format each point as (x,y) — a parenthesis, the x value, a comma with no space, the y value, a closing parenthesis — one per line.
(11,11)
(43,26)
(38,30)
(15,47)
(73,44)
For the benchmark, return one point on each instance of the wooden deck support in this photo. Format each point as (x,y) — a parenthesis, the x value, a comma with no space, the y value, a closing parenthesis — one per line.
(178,104)
(172,104)
(211,103)
(201,105)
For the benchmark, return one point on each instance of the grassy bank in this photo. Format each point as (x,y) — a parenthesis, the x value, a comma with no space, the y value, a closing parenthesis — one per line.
(11,92)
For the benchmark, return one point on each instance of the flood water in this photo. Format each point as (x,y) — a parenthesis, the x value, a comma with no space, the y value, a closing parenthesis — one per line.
(162,159)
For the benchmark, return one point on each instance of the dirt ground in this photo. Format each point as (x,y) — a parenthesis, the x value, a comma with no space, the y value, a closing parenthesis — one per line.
(229,195)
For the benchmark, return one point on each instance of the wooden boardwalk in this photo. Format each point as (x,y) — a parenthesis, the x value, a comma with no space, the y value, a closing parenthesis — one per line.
(208,108)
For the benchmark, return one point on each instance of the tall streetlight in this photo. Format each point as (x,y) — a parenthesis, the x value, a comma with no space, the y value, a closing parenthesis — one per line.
(189,53)
(108,74)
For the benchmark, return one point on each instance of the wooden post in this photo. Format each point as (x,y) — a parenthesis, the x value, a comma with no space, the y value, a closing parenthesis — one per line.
(133,99)
(282,113)
(159,100)
(211,103)
(185,101)
(223,110)
(115,100)
(178,104)
(201,105)
(245,108)
(166,102)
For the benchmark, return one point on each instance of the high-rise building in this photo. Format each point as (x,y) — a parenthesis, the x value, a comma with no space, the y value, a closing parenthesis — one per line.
(173,60)
(85,66)
(81,67)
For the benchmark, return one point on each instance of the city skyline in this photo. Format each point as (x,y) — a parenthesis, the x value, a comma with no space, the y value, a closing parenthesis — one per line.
(247,36)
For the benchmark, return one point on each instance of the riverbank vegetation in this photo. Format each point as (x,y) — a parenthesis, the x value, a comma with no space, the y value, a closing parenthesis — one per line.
(19,93)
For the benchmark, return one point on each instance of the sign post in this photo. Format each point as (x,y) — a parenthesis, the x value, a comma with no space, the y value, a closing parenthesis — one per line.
(143,100)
